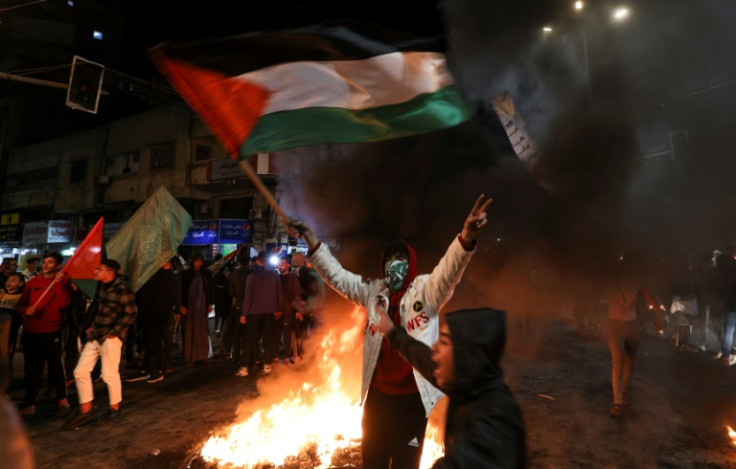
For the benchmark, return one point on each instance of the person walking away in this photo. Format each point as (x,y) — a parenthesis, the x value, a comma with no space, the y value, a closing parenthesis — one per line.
(628,288)
(115,311)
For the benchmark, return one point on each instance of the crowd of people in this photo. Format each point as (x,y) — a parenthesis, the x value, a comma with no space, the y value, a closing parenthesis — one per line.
(690,302)
(262,313)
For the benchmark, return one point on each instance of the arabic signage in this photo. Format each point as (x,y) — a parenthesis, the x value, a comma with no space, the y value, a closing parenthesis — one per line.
(54,231)
(224,231)
(10,226)
(60,231)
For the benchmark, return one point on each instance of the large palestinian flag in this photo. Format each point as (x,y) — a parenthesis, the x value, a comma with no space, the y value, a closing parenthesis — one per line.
(271,91)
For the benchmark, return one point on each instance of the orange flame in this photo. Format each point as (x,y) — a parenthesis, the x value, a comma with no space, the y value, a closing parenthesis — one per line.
(324,415)
(731,434)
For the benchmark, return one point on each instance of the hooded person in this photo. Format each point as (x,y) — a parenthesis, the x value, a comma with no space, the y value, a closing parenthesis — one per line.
(396,399)
(483,426)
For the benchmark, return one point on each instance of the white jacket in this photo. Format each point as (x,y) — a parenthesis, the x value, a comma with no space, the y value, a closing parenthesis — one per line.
(420,306)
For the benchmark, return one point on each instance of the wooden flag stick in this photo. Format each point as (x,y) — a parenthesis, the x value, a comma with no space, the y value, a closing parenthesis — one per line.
(43,295)
(256,180)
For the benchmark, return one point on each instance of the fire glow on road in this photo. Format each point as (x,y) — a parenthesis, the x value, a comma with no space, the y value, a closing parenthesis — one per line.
(318,425)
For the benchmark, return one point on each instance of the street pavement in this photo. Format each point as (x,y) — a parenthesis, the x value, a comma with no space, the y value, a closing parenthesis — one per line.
(680,404)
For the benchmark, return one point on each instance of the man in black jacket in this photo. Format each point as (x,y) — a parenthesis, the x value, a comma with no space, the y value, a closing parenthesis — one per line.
(484,427)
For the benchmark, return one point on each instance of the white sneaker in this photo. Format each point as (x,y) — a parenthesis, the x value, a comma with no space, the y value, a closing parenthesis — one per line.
(267,368)
(717,356)
(243,371)
(731,360)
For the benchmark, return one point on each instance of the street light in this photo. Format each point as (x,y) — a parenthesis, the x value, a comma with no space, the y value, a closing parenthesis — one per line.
(621,14)
(579,5)
(547,29)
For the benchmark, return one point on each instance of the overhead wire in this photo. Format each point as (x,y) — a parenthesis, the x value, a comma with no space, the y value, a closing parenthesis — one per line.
(22,5)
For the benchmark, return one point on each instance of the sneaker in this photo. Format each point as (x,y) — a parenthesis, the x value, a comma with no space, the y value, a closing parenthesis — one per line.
(141,377)
(155,378)
(718,356)
(731,360)
(267,369)
(243,371)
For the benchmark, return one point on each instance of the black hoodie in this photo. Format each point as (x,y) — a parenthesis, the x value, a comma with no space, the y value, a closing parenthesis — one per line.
(484,427)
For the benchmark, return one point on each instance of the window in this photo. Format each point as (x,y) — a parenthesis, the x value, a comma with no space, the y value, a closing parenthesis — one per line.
(123,163)
(162,156)
(78,172)
(204,152)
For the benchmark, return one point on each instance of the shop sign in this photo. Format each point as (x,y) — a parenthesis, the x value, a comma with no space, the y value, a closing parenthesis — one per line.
(224,169)
(60,231)
(236,231)
(202,232)
(35,232)
(9,227)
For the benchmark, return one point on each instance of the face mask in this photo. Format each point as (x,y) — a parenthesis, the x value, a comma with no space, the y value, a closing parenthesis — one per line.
(396,273)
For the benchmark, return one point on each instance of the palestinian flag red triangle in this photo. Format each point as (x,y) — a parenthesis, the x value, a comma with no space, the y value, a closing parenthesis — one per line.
(81,267)
(229,106)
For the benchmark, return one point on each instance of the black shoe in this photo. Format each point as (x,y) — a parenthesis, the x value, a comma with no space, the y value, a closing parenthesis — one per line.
(111,414)
(155,377)
(79,420)
(141,377)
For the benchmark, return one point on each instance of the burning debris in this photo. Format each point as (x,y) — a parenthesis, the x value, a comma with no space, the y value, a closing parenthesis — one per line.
(318,426)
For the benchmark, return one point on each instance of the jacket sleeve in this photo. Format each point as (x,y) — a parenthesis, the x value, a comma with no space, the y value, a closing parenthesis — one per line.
(414,352)
(350,285)
(130,311)
(446,275)
(248,297)
(279,293)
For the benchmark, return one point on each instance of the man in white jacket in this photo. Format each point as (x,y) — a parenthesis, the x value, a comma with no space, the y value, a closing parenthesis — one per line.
(397,399)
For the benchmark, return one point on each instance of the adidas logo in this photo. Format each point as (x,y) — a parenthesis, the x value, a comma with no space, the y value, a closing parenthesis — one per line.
(414,442)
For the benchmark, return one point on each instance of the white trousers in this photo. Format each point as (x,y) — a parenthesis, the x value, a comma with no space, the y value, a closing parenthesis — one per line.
(109,355)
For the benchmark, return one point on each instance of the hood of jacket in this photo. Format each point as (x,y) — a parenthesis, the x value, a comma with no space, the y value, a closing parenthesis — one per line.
(478,339)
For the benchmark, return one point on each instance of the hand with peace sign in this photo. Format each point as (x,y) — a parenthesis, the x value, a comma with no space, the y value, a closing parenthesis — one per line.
(476,220)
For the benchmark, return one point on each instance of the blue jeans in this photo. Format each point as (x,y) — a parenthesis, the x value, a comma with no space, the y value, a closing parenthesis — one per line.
(729,319)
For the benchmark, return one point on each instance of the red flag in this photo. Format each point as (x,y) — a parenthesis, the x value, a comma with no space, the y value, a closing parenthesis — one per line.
(81,267)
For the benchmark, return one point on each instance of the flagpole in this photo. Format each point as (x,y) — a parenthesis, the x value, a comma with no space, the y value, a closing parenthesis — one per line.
(48,289)
(246,167)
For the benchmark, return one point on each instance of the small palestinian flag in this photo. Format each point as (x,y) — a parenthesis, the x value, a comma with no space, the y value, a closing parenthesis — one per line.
(272,91)
(216,267)
(81,267)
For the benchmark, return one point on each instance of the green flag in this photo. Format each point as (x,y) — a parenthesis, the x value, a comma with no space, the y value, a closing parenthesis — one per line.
(150,237)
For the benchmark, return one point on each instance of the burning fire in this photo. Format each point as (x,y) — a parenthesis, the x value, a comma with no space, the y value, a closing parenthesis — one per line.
(316,426)
(731,434)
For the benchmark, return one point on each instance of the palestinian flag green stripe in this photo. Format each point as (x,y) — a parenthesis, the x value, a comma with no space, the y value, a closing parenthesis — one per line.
(317,125)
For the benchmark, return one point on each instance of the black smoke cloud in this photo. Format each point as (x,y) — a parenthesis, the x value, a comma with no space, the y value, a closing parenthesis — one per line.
(542,245)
